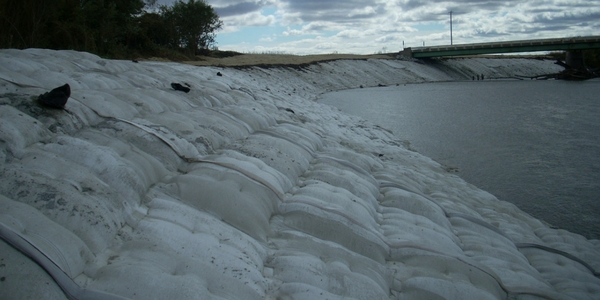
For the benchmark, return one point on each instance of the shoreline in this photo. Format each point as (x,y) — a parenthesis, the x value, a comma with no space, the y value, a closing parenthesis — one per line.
(420,123)
(245,187)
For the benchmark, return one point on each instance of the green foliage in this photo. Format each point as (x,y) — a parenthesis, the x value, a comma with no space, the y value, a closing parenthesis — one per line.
(592,58)
(22,22)
(222,54)
(558,55)
(111,28)
(192,24)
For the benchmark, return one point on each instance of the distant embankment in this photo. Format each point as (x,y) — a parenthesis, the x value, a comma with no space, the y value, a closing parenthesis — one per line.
(319,77)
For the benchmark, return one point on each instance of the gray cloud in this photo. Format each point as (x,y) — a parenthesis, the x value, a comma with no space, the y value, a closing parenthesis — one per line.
(227,8)
(238,9)
(359,24)
(333,10)
(326,5)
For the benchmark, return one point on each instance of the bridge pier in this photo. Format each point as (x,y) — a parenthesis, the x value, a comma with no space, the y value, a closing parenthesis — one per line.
(574,59)
(407,52)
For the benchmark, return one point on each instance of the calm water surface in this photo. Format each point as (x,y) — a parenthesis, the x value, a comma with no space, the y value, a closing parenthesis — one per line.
(533,143)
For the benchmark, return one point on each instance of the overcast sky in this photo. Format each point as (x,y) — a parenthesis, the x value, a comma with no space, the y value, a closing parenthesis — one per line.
(370,26)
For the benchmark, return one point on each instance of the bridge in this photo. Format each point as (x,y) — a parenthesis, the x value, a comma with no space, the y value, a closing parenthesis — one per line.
(573,46)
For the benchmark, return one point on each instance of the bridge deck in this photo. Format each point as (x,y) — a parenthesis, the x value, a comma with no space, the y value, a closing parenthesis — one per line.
(575,43)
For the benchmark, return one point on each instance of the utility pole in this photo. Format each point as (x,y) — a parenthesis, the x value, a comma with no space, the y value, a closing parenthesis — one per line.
(450,27)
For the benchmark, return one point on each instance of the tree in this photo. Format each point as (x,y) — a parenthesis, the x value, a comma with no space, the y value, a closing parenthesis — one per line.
(22,23)
(66,29)
(592,58)
(109,24)
(194,24)
(110,28)
(154,28)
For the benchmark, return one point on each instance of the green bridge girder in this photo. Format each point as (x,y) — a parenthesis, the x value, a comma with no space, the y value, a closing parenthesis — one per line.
(567,44)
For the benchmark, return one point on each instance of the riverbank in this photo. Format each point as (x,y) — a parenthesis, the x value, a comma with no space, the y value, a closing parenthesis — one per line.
(250,60)
(246,188)
(533,143)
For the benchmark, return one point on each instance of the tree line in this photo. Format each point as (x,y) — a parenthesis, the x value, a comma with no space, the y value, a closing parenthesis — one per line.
(110,28)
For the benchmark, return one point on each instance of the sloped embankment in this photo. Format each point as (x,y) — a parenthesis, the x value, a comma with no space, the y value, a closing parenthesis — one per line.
(245,188)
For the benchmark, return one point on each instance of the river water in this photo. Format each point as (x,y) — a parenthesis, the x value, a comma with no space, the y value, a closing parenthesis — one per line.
(533,143)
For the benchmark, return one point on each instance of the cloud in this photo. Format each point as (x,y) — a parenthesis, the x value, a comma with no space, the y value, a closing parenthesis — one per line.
(360,25)
(333,10)
(362,12)
(267,39)
(349,33)
(238,9)
(292,32)
(250,19)
(327,46)
(313,28)
(254,19)
(386,39)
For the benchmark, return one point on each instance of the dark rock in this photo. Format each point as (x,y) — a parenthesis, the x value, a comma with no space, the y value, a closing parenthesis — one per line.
(57,97)
(179,87)
(219,74)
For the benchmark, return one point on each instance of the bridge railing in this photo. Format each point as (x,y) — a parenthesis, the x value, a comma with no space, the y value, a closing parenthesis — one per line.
(491,45)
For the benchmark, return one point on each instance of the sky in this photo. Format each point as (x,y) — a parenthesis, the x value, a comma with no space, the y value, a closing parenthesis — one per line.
(304,27)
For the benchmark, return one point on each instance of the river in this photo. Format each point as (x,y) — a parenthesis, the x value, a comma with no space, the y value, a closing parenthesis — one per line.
(533,143)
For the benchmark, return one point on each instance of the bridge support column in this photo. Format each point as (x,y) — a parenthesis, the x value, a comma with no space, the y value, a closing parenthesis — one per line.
(574,59)
(407,52)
